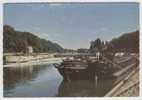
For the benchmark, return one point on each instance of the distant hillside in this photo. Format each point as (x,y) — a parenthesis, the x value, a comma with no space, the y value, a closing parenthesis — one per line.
(16,41)
(128,42)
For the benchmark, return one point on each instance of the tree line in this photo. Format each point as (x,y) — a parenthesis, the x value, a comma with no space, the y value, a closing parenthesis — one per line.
(128,42)
(17,41)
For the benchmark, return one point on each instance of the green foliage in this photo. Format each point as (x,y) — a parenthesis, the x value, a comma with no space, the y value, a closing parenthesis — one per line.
(16,41)
(96,44)
(126,43)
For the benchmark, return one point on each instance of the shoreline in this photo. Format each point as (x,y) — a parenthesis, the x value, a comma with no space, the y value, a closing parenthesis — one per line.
(35,62)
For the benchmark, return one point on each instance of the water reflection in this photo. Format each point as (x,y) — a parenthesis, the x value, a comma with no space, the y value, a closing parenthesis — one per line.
(20,75)
(84,88)
(45,81)
(31,81)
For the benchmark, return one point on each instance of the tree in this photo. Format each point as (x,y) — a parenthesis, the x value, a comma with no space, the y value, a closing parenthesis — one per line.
(17,41)
(96,45)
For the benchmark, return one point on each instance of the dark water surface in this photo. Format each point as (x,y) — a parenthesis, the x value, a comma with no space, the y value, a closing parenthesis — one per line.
(46,81)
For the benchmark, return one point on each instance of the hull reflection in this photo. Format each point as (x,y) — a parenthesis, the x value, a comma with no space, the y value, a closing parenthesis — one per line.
(84,88)
(46,81)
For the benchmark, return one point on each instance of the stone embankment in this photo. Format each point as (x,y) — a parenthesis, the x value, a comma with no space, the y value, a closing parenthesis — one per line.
(129,87)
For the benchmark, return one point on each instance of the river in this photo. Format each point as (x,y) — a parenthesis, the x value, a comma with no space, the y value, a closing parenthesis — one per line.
(46,81)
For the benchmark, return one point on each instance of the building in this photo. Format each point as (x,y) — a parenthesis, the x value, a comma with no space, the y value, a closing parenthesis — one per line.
(29,49)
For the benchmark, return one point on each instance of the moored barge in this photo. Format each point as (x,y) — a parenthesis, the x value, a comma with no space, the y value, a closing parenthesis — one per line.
(88,68)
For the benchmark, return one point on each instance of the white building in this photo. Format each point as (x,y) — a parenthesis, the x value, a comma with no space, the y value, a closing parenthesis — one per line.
(29,49)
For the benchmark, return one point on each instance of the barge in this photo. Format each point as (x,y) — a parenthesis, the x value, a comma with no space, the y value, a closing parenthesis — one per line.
(88,68)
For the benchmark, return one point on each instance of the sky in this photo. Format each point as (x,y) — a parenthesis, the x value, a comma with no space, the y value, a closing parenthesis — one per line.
(73,25)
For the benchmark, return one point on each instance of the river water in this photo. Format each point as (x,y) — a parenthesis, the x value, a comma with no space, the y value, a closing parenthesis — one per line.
(46,81)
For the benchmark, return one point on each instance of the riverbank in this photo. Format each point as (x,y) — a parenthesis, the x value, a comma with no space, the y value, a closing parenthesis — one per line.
(35,62)
(20,59)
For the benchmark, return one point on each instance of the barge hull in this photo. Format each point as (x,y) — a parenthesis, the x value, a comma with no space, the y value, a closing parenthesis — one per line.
(93,71)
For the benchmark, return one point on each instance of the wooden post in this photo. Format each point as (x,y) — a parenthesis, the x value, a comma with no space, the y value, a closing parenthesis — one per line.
(96,80)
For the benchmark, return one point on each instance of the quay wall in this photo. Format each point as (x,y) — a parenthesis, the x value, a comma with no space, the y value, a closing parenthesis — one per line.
(129,86)
(24,58)
(35,62)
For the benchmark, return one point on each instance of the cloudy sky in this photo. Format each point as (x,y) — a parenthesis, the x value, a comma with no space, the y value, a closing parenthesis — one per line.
(73,25)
